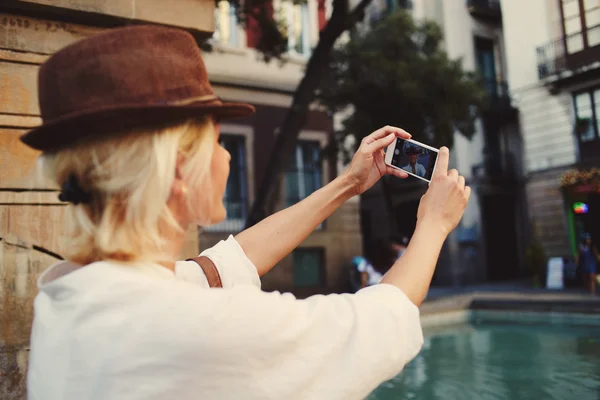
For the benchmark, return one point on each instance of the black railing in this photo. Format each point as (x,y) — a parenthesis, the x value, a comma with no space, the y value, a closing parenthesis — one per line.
(489,9)
(551,58)
(569,52)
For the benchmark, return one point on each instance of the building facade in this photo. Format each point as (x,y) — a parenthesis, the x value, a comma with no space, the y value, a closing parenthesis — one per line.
(239,74)
(555,79)
(488,244)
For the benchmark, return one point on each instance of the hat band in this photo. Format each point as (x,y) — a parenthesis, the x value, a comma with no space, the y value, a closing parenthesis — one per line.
(191,100)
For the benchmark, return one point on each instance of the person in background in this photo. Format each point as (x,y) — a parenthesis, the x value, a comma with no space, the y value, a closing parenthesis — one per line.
(368,275)
(589,257)
(399,245)
(413,165)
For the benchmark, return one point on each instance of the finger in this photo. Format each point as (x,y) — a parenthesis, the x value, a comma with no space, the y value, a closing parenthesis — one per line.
(467,193)
(396,172)
(453,174)
(461,182)
(380,144)
(441,169)
(386,130)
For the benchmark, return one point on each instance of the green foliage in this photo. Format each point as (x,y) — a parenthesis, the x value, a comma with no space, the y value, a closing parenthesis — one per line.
(398,74)
(258,15)
(535,261)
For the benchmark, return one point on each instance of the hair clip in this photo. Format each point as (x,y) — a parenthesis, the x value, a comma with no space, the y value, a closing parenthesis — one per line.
(72,192)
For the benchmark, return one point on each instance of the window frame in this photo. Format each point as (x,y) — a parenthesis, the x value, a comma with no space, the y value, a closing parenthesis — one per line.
(298,170)
(584,27)
(282,8)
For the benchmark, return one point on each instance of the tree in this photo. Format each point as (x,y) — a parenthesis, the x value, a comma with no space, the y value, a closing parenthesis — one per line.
(258,15)
(272,43)
(398,74)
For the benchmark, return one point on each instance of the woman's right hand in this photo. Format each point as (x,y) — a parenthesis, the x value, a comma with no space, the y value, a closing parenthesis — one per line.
(446,199)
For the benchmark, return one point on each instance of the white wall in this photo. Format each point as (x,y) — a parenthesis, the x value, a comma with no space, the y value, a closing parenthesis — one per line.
(244,66)
(433,10)
(241,65)
(546,120)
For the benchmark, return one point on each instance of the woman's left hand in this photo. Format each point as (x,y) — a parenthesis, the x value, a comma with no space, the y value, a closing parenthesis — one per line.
(368,164)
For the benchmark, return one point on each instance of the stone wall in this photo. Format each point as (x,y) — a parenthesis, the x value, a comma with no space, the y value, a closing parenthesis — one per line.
(30,213)
(197,16)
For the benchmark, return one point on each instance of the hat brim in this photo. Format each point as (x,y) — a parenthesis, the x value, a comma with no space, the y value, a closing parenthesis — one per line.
(103,122)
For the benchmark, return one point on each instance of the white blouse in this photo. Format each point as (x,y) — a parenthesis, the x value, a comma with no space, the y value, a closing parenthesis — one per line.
(110,331)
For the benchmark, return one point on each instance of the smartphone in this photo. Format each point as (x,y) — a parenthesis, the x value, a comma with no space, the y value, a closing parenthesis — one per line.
(415,158)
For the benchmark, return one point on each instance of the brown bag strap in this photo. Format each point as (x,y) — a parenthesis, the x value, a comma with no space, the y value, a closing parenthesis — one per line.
(210,270)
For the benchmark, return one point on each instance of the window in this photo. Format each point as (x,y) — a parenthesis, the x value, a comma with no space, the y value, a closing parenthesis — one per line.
(295,21)
(486,64)
(304,175)
(591,12)
(587,112)
(236,191)
(308,267)
(581,22)
(226,24)
(572,25)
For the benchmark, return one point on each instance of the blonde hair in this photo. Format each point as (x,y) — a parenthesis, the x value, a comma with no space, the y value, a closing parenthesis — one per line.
(129,178)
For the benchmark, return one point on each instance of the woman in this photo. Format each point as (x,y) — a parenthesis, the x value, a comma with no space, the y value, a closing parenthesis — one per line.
(130,133)
(588,256)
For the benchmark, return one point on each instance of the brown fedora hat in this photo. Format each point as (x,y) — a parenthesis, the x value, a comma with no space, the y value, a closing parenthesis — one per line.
(124,79)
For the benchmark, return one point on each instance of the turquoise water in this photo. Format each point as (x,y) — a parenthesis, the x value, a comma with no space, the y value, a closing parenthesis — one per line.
(496,360)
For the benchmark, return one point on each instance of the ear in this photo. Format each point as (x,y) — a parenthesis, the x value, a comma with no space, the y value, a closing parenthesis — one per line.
(178,185)
(179,164)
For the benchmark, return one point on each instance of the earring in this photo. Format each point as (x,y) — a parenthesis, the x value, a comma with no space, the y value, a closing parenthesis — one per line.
(184,190)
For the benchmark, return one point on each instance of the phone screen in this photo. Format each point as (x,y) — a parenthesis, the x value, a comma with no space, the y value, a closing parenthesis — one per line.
(415,159)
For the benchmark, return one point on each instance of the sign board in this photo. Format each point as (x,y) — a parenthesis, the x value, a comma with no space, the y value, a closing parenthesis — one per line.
(554,278)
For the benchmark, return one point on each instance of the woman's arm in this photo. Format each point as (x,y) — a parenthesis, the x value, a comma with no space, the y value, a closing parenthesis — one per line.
(267,242)
(272,239)
(323,347)
(440,211)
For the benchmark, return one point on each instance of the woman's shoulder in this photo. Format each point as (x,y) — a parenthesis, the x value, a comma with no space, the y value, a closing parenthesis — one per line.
(233,265)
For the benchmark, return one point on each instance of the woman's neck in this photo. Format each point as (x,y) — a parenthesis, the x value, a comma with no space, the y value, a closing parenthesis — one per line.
(175,241)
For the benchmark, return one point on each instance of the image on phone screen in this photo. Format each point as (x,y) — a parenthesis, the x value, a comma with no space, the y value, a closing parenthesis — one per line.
(415,159)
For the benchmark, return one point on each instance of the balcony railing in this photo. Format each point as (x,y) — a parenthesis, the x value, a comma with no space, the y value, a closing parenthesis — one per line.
(485,9)
(569,53)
